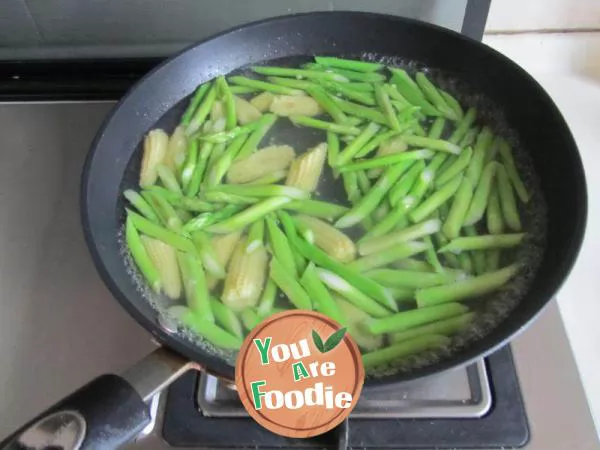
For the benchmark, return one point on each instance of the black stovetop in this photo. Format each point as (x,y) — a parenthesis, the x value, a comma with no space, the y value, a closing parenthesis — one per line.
(504,426)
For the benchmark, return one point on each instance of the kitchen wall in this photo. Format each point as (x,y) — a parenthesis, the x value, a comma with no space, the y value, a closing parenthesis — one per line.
(558,36)
(91,28)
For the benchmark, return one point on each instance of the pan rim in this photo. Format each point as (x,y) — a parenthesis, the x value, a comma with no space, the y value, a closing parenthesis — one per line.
(465,356)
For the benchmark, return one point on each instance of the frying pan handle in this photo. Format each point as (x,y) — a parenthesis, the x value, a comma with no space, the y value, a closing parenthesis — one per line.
(106,413)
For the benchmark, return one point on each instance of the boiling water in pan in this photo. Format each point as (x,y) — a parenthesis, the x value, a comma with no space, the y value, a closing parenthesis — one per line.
(491,310)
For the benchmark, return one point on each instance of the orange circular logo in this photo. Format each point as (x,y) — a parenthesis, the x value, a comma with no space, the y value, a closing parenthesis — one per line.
(299,374)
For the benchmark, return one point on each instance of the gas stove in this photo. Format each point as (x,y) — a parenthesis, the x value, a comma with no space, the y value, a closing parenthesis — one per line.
(407,415)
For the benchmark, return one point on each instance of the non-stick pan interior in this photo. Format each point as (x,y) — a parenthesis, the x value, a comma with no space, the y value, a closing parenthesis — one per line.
(159,98)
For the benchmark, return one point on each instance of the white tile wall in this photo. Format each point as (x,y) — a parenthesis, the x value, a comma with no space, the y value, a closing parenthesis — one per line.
(518,15)
(555,53)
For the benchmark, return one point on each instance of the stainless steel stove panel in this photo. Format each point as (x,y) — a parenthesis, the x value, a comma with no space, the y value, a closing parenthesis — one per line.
(460,393)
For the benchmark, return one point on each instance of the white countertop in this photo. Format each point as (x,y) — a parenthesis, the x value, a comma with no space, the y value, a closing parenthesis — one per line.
(577,94)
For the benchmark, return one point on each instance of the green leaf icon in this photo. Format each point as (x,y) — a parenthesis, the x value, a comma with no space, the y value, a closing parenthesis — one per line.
(331,342)
(318,341)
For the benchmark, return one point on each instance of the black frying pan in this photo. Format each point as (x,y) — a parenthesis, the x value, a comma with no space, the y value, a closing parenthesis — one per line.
(162,94)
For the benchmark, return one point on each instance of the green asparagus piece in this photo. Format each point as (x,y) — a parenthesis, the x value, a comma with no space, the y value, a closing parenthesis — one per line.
(412,279)
(349,92)
(329,106)
(480,200)
(273,190)
(353,191)
(166,212)
(191,161)
(202,112)
(384,103)
(492,260)
(223,197)
(469,138)
(482,145)
(195,286)
(210,261)
(431,93)
(458,210)
(354,147)
(395,219)
(405,184)
(294,83)
(434,201)
(352,75)
(431,256)
(264,86)
(409,319)
(478,257)
(385,161)
(378,140)
(394,353)
(141,205)
(443,327)
(369,202)
(333,148)
(177,201)
(226,318)
(357,298)
(495,224)
(453,104)
(211,332)
(410,90)
(227,96)
(433,144)
(483,242)
(388,255)
(289,284)
(298,73)
(250,318)
(168,178)
(243,90)
(511,170)
(222,165)
(267,299)
(469,288)
(249,215)
(463,126)
(454,168)
(224,137)
(324,302)
(415,265)
(194,102)
(156,231)
(364,112)
(280,246)
(340,63)
(140,256)
(507,200)
(256,234)
(264,124)
(369,245)
(465,262)
(205,219)
(317,208)
(323,125)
